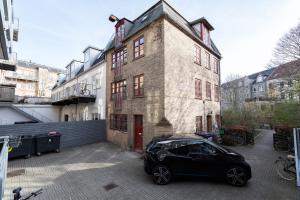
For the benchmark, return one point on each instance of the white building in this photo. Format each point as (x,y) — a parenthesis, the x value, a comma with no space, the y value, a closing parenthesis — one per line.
(9,30)
(81,93)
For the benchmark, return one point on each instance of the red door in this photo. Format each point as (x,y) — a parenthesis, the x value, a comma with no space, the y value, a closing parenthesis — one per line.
(138,133)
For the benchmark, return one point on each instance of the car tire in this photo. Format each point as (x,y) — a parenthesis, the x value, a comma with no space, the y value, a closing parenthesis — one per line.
(161,175)
(236,176)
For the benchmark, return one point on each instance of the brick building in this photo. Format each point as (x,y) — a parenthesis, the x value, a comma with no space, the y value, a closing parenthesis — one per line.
(163,77)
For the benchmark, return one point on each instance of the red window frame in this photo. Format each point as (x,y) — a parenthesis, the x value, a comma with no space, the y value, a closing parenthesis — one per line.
(119,58)
(139,47)
(138,85)
(208,90)
(207,60)
(118,122)
(199,124)
(119,87)
(197,55)
(217,93)
(218,120)
(216,66)
(198,89)
(120,32)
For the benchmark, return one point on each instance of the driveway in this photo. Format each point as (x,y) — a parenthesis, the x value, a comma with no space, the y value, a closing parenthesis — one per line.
(104,171)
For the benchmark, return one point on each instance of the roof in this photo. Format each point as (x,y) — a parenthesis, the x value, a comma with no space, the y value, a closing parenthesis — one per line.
(98,59)
(286,70)
(267,72)
(92,47)
(30,64)
(163,9)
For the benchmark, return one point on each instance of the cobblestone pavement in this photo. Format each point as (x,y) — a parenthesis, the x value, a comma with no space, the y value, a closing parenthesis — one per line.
(83,172)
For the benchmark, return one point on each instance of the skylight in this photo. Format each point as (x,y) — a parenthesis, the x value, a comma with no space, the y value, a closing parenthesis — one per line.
(144,18)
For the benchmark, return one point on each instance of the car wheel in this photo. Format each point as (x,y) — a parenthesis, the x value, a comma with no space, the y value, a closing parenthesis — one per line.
(236,176)
(161,175)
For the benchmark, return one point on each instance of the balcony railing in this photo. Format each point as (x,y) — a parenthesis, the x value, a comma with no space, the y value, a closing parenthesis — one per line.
(76,92)
(7,93)
(15,75)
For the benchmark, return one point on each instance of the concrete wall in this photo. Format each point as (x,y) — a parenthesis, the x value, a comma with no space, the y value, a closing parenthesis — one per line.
(10,116)
(73,133)
(45,113)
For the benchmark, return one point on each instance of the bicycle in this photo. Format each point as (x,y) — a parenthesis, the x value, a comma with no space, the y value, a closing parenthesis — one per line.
(286,167)
(17,194)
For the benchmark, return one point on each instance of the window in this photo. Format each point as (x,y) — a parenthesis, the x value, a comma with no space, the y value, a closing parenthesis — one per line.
(119,87)
(205,35)
(120,32)
(202,148)
(216,66)
(290,83)
(208,90)
(199,127)
(138,87)
(179,148)
(96,116)
(217,93)
(281,85)
(218,120)
(139,47)
(119,58)
(207,60)
(291,95)
(282,95)
(198,89)
(118,122)
(197,55)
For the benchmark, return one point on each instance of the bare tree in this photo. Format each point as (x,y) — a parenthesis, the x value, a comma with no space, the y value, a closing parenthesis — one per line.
(287,49)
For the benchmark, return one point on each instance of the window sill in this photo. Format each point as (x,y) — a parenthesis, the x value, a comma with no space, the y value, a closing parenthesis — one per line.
(197,63)
(138,57)
(137,97)
(208,99)
(198,98)
(118,130)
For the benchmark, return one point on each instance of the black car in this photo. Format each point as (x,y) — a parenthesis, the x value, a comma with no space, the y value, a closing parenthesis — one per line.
(173,156)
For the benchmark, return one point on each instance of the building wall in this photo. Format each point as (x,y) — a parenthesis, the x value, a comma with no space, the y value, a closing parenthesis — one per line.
(75,111)
(10,116)
(151,106)
(181,107)
(169,85)
(45,113)
(31,81)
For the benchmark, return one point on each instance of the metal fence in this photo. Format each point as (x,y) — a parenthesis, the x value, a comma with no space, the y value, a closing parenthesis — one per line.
(3,163)
(297,153)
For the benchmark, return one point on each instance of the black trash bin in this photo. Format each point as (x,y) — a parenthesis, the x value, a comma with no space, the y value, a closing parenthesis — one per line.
(24,149)
(47,143)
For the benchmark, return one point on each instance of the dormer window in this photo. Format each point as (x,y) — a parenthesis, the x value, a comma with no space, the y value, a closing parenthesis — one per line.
(86,55)
(205,35)
(120,32)
(259,78)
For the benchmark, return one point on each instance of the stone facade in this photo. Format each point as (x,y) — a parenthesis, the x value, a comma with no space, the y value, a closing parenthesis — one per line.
(168,105)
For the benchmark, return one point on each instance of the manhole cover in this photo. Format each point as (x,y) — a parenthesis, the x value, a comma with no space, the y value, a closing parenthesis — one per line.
(110,186)
(14,173)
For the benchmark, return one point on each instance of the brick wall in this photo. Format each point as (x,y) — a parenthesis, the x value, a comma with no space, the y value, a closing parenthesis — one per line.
(73,133)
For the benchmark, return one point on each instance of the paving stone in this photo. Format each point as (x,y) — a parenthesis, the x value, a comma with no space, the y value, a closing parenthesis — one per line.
(83,172)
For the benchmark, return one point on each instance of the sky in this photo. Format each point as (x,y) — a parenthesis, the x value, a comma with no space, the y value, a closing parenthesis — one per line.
(53,32)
